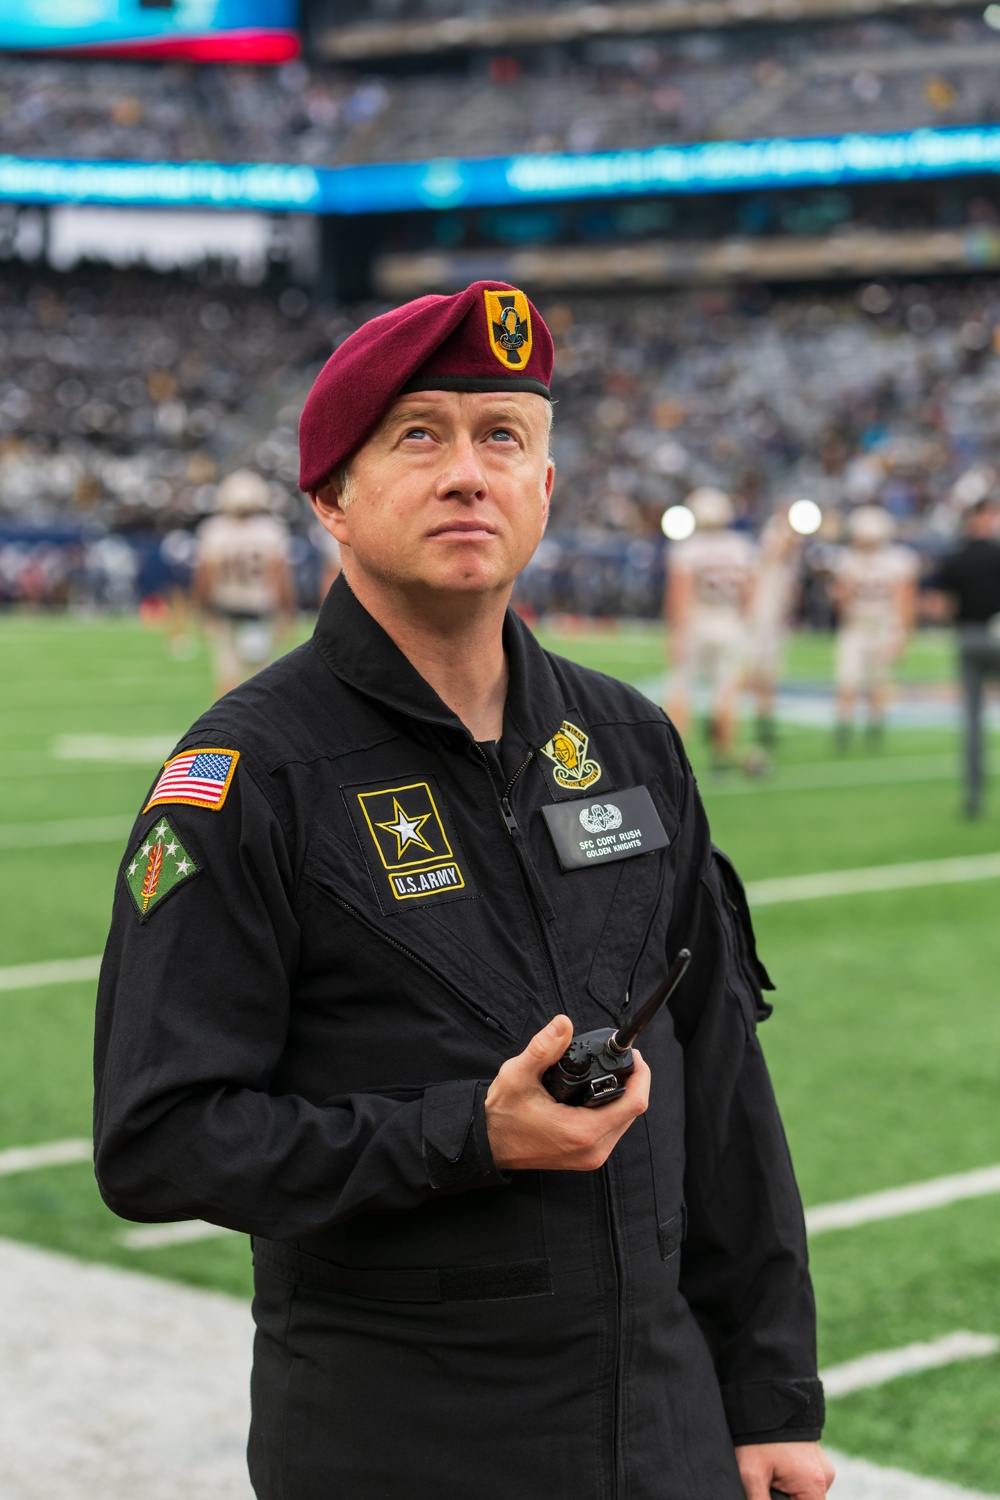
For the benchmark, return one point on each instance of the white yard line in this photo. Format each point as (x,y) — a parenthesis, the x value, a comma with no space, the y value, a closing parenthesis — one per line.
(857,1479)
(829,775)
(159,1236)
(109,830)
(147,749)
(57,971)
(894,1203)
(36,766)
(873,878)
(759,892)
(877,1369)
(891,1203)
(52,1154)
(141,1387)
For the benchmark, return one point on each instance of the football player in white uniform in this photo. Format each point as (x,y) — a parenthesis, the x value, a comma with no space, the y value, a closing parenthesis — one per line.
(771,604)
(242,580)
(708,590)
(875,591)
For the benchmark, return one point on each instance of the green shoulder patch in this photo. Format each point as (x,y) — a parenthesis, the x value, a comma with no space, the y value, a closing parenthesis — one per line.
(158,867)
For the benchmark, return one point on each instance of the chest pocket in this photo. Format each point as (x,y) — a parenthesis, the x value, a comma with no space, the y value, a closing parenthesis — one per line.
(441,939)
(637,920)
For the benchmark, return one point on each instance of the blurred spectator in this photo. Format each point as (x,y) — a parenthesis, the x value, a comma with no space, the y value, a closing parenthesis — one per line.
(124,396)
(178,553)
(967,585)
(601,94)
(112,570)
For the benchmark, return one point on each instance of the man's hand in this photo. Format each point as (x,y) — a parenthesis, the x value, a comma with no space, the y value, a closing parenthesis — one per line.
(801,1471)
(529,1131)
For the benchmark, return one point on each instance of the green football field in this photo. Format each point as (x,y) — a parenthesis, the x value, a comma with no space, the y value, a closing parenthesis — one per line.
(884,1044)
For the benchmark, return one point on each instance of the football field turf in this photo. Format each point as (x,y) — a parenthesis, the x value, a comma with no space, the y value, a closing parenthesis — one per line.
(884,1044)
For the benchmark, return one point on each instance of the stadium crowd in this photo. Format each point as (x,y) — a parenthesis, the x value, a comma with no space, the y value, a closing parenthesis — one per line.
(603,94)
(125,398)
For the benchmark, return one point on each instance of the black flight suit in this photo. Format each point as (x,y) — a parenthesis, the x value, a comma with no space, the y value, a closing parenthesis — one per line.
(297,1042)
(972,577)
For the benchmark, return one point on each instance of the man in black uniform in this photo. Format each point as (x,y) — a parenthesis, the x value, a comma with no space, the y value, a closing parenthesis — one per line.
(358,910)
(967,586)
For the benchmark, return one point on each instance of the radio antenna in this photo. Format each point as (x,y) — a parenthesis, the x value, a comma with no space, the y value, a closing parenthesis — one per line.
(627,1032)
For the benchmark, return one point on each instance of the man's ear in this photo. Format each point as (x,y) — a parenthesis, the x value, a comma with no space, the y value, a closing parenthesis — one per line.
(550,475)
(325,501)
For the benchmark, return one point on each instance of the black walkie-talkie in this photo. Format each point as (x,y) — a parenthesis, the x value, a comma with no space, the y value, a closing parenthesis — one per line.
(595,1065)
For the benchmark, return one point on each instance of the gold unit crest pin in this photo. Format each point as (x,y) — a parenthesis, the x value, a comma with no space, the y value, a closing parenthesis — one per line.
(567,749)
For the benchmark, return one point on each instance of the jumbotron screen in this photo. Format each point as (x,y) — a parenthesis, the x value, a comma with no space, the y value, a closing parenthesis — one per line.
(251,31)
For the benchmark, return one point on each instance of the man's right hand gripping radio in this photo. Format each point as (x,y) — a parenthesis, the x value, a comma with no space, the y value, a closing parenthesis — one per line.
(597,1064)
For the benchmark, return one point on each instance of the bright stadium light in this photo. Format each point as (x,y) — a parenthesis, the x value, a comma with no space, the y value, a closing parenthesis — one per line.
(677,523)
(805,517)
(991,15)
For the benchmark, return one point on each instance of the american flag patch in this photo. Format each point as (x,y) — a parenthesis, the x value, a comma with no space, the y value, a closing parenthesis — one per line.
(198,777)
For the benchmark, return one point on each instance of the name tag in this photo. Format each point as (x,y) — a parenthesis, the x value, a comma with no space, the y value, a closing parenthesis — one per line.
(594,833)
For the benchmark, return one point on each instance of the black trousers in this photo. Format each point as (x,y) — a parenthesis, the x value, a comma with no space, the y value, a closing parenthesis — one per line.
(979,659)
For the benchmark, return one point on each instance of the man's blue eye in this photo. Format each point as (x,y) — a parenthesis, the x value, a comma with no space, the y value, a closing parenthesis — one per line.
(417,432)
(502,432)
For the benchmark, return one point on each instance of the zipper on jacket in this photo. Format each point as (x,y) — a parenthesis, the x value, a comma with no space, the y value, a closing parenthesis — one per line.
(505,807)
(508,816)
(535,897)
(416,959)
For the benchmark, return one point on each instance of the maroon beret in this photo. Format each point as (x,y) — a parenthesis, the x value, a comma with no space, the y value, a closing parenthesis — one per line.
(487,338)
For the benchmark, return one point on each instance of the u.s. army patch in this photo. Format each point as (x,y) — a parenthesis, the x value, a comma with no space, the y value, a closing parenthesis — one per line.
(409,853)
(157,868)
(567,749)
(508,323)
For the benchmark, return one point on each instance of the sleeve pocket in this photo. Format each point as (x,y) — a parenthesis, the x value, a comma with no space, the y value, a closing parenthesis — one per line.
(670,1234)
(748,976)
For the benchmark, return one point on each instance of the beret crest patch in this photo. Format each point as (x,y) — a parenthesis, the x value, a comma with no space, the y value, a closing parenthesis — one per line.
(508,326)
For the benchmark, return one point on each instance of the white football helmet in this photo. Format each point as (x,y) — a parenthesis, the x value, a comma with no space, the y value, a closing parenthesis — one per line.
(712,509)
(243,492)
(870,526)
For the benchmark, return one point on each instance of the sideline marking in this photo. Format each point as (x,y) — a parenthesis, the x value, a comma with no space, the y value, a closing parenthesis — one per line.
(66,831)
(828,775)
(58,971)
(858,1479)
(894,1203)
(147,749)
(140,1386)
(53,1154)
(118,1369)
(30,766)
(157,1236)
(874,878)
(877,1369)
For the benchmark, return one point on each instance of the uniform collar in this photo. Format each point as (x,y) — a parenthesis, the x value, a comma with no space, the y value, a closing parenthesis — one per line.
(356,648)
